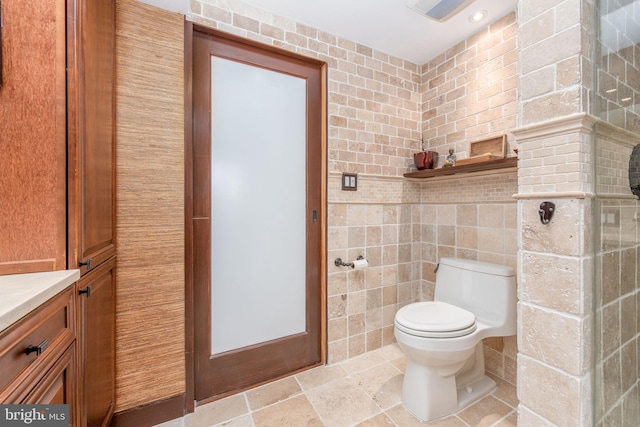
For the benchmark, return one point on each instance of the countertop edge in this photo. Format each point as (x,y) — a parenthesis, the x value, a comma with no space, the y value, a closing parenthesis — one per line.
(20,294)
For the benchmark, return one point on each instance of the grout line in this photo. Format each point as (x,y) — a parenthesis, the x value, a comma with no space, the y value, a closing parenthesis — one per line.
(314,408)
(503,418)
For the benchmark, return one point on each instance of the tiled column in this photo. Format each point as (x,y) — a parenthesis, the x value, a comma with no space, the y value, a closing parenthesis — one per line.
(555,262)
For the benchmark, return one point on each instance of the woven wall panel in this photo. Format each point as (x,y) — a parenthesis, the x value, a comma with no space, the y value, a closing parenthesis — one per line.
(149,204)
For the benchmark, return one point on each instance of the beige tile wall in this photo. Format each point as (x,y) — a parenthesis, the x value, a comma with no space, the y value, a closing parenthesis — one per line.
(470,93)
(470,90)
(373,98)
(617,336)
(554,58)
(617,327)
(618,68)
(377,106)
(472,217)
(555,260)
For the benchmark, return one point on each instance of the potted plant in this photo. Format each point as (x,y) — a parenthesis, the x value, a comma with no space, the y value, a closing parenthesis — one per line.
(425,159)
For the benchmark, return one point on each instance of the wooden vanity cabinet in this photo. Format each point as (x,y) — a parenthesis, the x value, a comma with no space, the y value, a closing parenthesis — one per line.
(57,115)
(91,200)
(57,197)
(96,345)
(38,355)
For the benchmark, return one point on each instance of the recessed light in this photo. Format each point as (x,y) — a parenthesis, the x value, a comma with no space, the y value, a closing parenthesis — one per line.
(477,16)
(626,99)
(611,90)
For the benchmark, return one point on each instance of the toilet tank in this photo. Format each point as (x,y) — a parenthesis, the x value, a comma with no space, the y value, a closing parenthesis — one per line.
(485,289)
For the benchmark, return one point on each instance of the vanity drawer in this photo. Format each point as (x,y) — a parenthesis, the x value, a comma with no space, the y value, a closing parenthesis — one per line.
(45,333)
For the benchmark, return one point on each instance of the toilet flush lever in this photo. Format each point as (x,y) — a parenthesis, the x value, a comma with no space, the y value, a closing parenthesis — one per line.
(436,270)
(546,211)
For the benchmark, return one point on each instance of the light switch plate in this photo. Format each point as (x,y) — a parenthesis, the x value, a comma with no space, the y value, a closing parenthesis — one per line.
(349,181)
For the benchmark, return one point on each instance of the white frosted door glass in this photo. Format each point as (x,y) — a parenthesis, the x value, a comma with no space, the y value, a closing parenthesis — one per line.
(258,240)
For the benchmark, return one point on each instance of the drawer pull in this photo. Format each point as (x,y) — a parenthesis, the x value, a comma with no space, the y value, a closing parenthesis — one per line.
(85,264)
(37,349)
(87,291)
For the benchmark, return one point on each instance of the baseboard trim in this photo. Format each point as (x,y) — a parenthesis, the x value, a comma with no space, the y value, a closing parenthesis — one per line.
(152,413)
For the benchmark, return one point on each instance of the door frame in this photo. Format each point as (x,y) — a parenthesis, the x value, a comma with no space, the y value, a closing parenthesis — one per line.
(190,28)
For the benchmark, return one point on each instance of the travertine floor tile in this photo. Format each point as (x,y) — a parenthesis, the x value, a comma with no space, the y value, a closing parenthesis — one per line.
(243,421)
(342,403)
(380,420)
(320,376)
(362,392)
(273,392)
(217,412)
(510,421)
(383,383)
(296,411)
(390,352)
(403,418)
(505,391)
(362,362)
(400,363)
(488,407)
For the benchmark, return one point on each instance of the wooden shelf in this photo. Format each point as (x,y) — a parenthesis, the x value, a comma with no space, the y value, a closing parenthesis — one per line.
(509,162)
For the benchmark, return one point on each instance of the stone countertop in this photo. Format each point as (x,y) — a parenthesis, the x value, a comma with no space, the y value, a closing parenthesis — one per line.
(22,293)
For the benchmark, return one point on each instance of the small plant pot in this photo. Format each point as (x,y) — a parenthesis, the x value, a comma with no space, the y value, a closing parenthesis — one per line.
(425,159)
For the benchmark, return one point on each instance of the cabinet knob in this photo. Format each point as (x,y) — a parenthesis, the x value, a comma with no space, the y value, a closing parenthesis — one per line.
(37,349)
(86,290)
(87,264)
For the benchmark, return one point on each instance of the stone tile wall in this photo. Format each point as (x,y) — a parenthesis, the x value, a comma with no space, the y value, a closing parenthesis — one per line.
(373,98)
(470,90)
(375,121)
(617,378)
(472,217)
(617,292)
(618,68)
(555,58)
(555,260)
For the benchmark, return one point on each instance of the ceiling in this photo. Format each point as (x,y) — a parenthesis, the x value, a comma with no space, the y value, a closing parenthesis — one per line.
(388,25)
(385,25)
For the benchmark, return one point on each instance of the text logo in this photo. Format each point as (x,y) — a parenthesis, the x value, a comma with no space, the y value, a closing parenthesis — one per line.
(34,415)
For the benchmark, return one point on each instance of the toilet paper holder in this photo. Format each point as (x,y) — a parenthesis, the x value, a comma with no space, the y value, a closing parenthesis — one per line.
(339,263)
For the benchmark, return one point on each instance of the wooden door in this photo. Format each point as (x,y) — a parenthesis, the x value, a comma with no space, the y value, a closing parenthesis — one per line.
(96,345)
(219,373)
(91,63)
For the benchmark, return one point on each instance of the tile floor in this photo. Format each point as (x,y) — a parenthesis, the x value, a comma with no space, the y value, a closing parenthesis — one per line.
(363,391)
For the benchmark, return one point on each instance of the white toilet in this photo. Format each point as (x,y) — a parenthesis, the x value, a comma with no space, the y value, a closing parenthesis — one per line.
(443,338)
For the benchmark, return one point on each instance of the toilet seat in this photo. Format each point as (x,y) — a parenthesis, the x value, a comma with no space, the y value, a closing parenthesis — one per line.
(435,319)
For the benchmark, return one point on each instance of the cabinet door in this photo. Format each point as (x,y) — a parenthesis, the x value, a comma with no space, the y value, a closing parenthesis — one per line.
(96,345)
(33,137)
(91,134)
(58,385)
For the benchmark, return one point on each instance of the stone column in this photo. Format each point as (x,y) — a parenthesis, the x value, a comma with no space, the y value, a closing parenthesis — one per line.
(555,261)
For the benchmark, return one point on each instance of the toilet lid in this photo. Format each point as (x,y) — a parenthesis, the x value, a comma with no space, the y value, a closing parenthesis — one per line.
(435,319)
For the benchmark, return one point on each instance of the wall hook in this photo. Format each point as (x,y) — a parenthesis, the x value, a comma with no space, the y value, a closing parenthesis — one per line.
(546,212)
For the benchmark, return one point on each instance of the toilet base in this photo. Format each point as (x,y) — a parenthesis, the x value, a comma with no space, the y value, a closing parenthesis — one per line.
(475,391)
(445,400)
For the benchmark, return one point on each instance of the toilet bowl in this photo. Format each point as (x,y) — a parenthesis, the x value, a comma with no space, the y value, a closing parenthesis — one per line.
(443,338)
